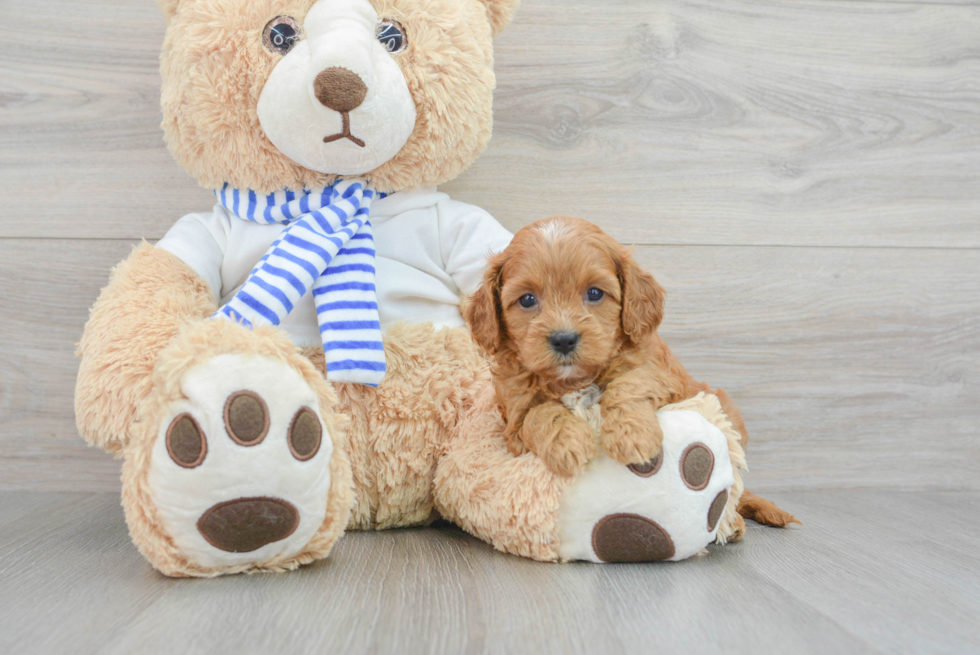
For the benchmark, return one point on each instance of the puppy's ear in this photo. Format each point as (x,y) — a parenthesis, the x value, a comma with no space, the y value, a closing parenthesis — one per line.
(483,312)
(643,299)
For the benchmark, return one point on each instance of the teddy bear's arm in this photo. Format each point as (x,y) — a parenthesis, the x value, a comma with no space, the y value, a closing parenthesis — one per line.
(201,242)
(468,235)
(149,296)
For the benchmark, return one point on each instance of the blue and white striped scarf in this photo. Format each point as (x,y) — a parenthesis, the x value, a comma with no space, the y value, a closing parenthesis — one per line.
(328,247)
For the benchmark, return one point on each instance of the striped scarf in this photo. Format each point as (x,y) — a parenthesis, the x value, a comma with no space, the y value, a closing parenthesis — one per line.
(328,247)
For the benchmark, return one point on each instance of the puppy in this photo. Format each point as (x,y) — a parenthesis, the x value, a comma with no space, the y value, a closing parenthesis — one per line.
(566,306)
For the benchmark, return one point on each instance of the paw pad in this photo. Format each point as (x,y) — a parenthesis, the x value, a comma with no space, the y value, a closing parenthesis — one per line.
(246,418)
(717,507)
(697,462)
(247,524)
(185,442)
(305,434)
(649,467)
(630,538)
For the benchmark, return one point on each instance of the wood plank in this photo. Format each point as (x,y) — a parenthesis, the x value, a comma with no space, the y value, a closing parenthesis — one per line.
(854,367)
(806,122)
(816,122)
(891,549)
(852,580)
(15,504)
(69,577)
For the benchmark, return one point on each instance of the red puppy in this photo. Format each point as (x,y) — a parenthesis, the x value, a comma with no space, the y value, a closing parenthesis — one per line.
(566,306)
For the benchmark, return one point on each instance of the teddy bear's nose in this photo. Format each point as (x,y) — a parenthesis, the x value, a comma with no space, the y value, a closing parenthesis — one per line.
(339,89)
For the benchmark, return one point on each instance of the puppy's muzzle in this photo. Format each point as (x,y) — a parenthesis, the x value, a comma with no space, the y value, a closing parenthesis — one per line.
(564,343)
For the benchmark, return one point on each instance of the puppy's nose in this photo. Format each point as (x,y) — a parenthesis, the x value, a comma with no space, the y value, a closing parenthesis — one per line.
(339,89)
(563,342)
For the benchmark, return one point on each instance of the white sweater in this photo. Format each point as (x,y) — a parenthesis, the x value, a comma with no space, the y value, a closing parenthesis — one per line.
(431,250)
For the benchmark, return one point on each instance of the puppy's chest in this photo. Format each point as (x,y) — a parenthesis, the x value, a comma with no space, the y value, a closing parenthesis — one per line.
(584,404)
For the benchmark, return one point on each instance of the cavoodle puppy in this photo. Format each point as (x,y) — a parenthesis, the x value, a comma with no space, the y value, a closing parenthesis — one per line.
(566,306)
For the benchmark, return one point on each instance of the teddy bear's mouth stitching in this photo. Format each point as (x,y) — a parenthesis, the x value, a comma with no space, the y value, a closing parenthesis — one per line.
(344,133)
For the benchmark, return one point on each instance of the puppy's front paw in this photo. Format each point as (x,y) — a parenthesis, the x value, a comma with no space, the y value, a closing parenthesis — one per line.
(563,441)
(631,434)
(570,448)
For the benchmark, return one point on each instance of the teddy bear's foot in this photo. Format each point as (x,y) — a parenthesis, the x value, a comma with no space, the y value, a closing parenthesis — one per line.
(238,472)
(669,508)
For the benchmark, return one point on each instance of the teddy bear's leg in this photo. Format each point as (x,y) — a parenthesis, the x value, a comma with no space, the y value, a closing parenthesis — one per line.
(237,461)
(510,502)
(398,431)
(667,509)
(149,296)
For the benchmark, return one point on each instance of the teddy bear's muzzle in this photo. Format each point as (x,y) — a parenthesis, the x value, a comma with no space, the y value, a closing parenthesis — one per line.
(247,524)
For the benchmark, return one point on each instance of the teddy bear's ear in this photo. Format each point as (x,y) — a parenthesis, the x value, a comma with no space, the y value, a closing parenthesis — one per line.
(498,11)
(168,7)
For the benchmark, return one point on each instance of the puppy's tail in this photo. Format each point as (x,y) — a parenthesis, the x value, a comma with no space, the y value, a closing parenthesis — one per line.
(764,511)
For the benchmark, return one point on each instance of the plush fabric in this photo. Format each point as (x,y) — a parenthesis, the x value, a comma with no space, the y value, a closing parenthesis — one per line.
(239,455)
(326,248)
(149,297)
(430,249)
(196,344)
(213,64)
(375,111)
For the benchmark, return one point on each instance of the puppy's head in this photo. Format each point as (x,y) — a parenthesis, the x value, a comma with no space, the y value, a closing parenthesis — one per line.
(563,299)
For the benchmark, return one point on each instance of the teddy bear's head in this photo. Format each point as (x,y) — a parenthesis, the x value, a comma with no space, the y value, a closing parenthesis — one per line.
(274,94)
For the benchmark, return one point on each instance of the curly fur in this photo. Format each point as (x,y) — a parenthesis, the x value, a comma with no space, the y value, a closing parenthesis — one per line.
(557,260)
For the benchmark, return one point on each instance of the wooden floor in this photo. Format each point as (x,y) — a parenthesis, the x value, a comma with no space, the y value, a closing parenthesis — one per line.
(803,176)
(871,571)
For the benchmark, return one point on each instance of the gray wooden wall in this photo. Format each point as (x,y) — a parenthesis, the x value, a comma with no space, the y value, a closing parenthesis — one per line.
(802,175)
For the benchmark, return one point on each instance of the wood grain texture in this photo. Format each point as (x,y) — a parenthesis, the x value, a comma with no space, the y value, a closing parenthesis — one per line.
(854,367)
(811,122)
(853,579)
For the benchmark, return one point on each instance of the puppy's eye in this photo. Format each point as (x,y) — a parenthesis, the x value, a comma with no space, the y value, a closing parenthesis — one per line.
(594,295)
(391,35)
(527,301)
(281,34)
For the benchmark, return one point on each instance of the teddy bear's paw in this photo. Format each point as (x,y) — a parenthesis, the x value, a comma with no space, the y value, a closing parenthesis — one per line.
(665,509)
(240,467)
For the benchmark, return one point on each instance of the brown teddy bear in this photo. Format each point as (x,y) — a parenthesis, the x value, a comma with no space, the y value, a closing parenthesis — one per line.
(237,366)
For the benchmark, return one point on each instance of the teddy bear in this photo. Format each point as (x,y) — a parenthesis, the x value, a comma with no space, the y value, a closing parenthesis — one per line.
(293,363)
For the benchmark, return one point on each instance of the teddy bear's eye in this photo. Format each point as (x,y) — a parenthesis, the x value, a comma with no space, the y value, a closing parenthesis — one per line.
(281,34)
(391,35)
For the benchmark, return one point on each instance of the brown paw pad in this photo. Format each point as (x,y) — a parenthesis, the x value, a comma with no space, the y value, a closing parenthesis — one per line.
(697,462)
(246,418)
(630,538)
(717,507)
(649,467)
(185,442)
(305,434)
(247,524)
